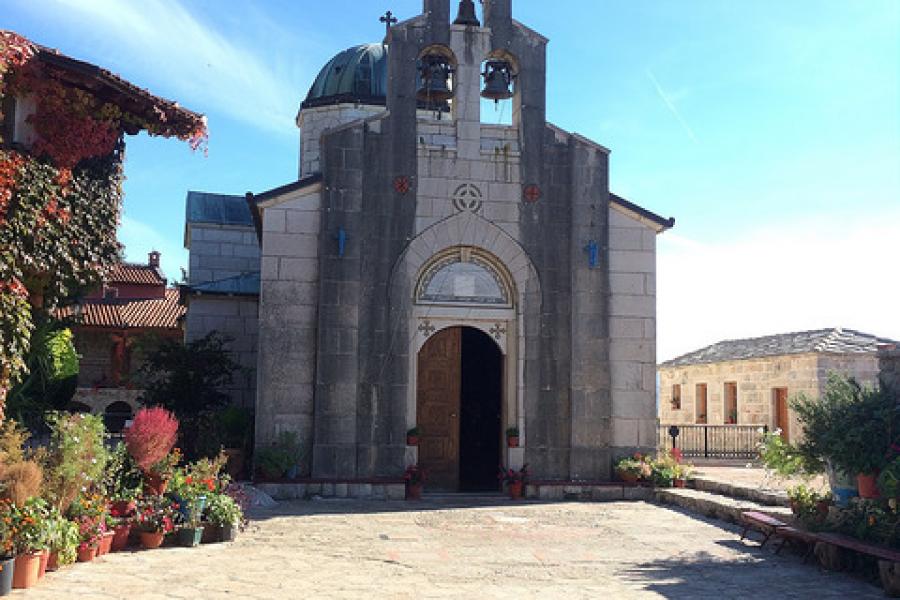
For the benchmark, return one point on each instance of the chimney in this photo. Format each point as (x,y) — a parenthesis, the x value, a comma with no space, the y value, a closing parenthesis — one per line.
(153,259)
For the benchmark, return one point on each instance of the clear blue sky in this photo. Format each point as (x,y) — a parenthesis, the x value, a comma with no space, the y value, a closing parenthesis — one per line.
(770,129)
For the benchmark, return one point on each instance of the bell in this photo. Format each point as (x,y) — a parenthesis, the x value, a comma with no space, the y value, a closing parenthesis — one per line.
(497,81)
(434,71)
(466,15)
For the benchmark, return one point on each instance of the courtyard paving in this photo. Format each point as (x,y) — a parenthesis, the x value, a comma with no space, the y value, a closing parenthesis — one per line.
(487,548)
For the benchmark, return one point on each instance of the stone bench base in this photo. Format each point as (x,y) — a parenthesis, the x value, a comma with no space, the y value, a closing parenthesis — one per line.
(590,491)
(344,489)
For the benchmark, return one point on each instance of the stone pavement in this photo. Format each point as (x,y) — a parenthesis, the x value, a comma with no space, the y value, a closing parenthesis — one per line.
(489,548)
(754,476)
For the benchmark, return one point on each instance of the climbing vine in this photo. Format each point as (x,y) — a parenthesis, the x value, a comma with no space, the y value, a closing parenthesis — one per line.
(61,196)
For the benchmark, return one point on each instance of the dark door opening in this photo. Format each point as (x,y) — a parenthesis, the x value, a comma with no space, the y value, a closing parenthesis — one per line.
(481,391)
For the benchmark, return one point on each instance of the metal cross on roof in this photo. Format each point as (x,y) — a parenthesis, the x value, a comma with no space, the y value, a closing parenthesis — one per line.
(388,19)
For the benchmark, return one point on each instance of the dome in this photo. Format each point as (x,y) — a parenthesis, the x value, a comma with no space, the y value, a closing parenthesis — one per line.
(358,75)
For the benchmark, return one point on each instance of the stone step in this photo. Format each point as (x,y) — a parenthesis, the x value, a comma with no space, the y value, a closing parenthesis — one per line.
(744,492)
(717,505)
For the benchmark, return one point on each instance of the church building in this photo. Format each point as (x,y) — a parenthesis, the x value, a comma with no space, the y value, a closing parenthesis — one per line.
(431,269)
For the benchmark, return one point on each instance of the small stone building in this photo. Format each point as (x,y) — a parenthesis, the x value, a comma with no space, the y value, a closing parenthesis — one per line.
(134,302)
(432,267)
(750,381)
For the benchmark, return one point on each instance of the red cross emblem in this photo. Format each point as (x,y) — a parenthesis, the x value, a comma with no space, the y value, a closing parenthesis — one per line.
(401,184)
(532,192)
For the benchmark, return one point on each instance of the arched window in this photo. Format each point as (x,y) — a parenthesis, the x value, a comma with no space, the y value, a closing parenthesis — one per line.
(463,276)
(116,415)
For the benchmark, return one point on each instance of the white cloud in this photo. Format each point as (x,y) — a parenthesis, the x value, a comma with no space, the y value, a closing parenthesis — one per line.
(140,238)
(791,276)
(204,66)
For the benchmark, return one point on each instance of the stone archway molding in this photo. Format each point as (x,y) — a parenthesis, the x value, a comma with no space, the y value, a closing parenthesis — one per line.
(465,229)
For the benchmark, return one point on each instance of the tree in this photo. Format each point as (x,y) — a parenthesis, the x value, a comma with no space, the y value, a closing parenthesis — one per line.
(61,192)
(188,379)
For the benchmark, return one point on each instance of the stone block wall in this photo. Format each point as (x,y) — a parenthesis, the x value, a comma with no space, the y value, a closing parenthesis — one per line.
(234,317)
(632,322)
(889,367)
(221,251)
(289,296)
(313,122)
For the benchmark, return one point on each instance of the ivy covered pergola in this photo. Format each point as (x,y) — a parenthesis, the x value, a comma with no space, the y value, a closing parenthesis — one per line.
(62,129)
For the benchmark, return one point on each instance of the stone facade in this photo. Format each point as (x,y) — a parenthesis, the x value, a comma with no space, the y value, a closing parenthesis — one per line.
(346,249)
(756,379)
(222,286)
(889,366)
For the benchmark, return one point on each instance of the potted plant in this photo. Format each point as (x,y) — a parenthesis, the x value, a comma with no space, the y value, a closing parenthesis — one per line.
(412,436)
(122,483)
(512,437)
(514,480)
(732,418)
(225,516)
(30,539)
(150,440)
(237,427)
(64,541)
(415,477)
(809,504)
(107,533)
(154,519)
(631,469)
(681,471)
(7,548)
(77,456)
(282,459)
(889,482)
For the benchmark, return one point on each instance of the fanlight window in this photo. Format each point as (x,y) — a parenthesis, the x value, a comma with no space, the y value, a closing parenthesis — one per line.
(463,277)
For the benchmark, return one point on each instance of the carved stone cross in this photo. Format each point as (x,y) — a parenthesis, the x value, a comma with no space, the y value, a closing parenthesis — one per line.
(426,328)
(498,331)
(388,19)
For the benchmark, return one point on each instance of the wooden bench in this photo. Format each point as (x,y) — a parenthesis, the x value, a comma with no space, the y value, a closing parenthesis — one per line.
(791,534)
(767,525)
(844,541)
(888,558)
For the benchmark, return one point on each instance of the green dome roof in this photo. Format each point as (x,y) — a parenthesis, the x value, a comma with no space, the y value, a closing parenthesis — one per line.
(358,74)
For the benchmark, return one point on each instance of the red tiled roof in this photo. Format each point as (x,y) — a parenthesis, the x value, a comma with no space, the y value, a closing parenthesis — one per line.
(136,274)
(160,313)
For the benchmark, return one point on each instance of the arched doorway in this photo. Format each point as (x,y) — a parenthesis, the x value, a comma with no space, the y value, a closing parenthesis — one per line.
(459,409)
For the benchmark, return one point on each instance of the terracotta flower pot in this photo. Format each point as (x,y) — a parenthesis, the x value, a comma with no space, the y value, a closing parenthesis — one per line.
(120,537)
(414,491)
(45,559)
(86,553)
(235,465)
(867,483)
(123,508)
(515,490)
(105,545)
(25,573)
(679,483)
(512,441)
(627,476)
(152,539)
(53,561)
(412,440)
(154,484)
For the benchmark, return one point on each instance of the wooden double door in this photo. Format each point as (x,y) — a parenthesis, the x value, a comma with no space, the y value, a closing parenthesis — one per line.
(458,409)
